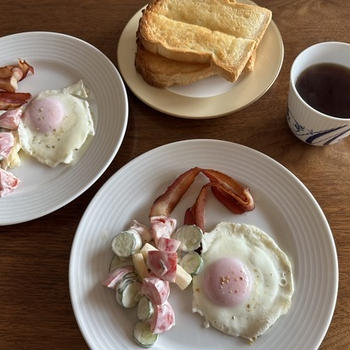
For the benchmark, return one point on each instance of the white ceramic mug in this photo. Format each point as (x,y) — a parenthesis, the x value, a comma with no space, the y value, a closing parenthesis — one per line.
(306,123)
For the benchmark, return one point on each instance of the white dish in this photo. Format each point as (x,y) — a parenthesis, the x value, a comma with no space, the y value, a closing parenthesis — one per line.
(284,208)
(60,60)
(211,97)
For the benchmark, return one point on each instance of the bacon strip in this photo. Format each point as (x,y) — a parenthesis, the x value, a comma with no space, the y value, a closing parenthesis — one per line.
(226,200)
(230,190)
(166,202)
(11,74)
(10,119)
(6,71)
(25,68)
(9,84)
(11,100)
(195,214)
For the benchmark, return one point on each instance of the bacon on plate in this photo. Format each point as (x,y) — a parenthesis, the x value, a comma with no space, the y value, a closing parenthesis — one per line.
(166,202)
(11,100)
(196,214)
(229,190)
(10,119)
(10,75)
(226,200)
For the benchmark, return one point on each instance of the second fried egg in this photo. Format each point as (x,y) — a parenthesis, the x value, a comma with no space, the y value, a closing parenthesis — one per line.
(56,124)
(246,282)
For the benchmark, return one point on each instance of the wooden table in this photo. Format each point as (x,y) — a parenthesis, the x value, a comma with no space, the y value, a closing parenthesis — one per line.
(35,308)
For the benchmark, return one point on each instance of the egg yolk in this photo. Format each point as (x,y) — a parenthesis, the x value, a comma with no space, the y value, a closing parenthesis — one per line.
(45,114)
(227,282)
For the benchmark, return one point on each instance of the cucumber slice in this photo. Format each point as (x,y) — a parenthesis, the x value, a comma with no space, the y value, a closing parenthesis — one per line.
(119,292)
(143,335)
(131,294)
(144,309)
(190,237)
(126,243)
(118,262)
(192,263)
(127,279)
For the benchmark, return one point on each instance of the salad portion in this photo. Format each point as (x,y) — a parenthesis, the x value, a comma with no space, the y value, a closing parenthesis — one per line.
(149,259)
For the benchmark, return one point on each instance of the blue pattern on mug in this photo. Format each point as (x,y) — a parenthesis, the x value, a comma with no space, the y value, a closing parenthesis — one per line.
(319,137)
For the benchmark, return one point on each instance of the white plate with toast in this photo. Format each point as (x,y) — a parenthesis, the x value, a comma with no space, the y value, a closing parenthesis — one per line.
(285,209)
(210,97)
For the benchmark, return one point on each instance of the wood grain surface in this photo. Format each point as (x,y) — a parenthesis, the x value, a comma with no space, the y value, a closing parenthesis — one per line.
(35,307)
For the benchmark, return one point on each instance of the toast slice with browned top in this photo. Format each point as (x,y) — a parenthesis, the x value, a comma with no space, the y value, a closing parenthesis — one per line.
(241,20)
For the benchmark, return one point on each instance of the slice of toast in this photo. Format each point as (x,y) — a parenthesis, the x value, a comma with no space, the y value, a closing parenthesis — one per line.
(222,16)
(185,42)
(162,72)
(226,16)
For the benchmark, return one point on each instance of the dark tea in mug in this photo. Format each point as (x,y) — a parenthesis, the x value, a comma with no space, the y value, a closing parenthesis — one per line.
(326,88)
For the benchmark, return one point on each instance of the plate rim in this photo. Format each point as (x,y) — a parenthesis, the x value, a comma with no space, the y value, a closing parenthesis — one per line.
(70,198)
(280,166)
(167,94)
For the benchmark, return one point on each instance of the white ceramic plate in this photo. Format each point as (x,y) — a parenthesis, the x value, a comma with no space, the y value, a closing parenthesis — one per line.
(60,60)
(284,208)
(211,97)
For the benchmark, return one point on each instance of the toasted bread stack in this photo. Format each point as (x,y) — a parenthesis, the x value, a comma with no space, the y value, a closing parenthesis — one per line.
(182,41)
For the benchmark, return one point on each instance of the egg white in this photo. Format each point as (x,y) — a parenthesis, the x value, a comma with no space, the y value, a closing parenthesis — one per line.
(272,280)
(60,145)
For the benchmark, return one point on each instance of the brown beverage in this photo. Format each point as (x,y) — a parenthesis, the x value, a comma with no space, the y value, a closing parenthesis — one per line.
(326,87)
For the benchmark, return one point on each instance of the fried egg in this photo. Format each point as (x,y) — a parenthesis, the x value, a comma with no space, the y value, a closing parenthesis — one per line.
(56,124)
(246,282)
